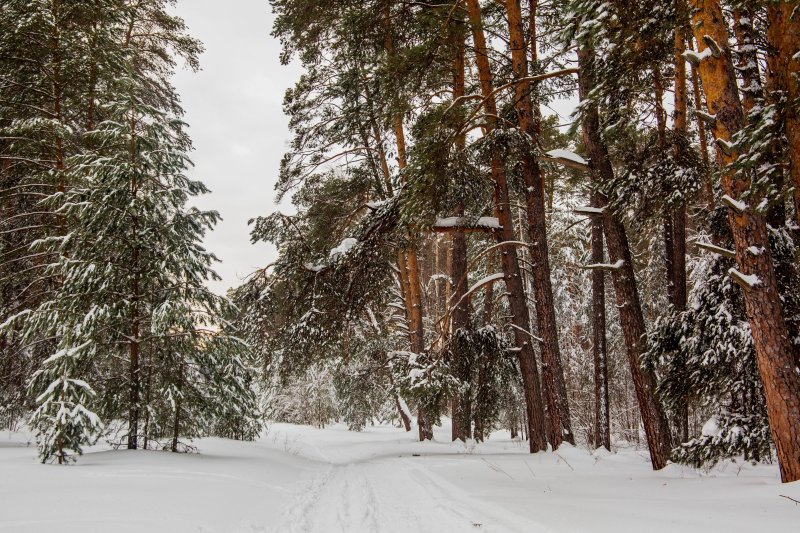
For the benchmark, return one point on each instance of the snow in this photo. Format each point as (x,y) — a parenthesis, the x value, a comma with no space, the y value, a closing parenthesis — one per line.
(696,58)
(736,204)
(605,266)
(750,280)
(711,427)
(566,154)
(374,206)
(756,250)
(316,268)
(345,246)
(482,222)
(303,479)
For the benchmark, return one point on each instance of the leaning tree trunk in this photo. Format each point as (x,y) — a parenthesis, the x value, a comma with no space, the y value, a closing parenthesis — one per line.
(559,427)
(625,288)
(756,274)
(509,259)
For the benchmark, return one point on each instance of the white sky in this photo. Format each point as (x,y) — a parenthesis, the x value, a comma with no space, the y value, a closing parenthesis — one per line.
(233,107)
(234,110)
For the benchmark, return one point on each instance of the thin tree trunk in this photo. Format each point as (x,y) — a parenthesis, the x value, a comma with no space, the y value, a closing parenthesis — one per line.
(602,418)
(133,414)
(147,395)
(625,288)
(509,259)
(176,428)
(412,264)
(708,185)
(774,352)
(462,419)
(747,64)
(678,215)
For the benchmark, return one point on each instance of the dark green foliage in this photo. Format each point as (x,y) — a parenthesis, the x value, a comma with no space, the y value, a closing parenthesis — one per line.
(111,296)
(705,355)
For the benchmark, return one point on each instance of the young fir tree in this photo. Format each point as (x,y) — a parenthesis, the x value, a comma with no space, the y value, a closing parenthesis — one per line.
(62,419)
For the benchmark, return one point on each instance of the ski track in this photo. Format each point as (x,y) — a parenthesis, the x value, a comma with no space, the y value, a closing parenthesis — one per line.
(391,496)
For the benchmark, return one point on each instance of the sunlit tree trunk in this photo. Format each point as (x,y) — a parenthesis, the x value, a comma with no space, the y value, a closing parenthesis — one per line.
(774,352)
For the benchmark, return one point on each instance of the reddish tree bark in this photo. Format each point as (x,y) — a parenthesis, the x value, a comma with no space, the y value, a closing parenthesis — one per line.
(509,259)
(559,427)
(774,352)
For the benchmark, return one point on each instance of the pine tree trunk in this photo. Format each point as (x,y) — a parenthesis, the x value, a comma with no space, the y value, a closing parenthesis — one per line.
(462,412)
(147,395)
(559,427)
(602,417)
(488,297)
(708,185)
(133,413)
(747,64)
(176,427)
(783,68)
(678,215)
(774,352)
(509,260)
(625,288)
(414,294)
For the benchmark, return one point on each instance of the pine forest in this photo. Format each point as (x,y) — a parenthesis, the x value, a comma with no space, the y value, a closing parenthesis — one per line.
(498,265)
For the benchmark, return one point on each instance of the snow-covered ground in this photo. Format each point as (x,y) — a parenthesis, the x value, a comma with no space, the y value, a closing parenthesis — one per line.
(299,479)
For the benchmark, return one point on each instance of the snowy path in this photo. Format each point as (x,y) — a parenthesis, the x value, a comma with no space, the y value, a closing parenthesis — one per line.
(391,496)
(306,480)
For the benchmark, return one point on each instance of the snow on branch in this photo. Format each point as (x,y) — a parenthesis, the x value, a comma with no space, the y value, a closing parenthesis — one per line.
(736,205)
(605,266)
(374,206)
(705,117)
(467,224)
(589,211)
(724,252)
(745,281)
(695,58)
(716,51)
(345,246)
(566,158)
(725,146)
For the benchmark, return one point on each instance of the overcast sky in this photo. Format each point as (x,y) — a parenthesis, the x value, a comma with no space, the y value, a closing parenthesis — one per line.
(233,107)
